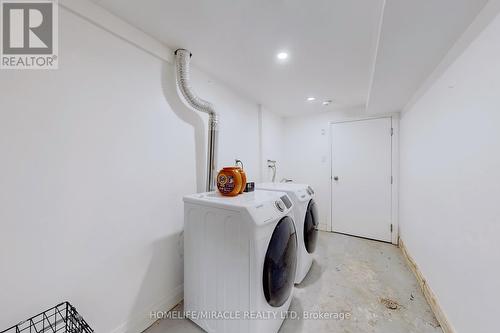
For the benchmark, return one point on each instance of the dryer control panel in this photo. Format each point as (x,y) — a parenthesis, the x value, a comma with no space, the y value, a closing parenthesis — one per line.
(283,203)
(286,201)
(278,205)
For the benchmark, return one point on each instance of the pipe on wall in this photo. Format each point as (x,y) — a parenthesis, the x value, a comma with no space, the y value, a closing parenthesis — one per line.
(182,59)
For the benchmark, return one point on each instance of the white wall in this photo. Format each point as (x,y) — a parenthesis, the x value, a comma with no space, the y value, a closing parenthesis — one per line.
(273,131)
(450,185)
(95,158)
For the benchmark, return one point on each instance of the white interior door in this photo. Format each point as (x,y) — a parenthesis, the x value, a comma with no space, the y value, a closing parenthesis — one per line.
(361,178)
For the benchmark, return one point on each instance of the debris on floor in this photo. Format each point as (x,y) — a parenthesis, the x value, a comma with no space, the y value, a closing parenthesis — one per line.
(435,324)
(390,304)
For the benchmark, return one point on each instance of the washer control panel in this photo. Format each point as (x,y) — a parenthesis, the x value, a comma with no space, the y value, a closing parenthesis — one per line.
(280,205)
(286,201)
(310,190)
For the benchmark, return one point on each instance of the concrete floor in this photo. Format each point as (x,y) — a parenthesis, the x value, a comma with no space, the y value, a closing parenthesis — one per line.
(368,280)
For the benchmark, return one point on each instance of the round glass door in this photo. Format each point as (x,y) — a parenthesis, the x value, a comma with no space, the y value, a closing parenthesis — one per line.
(311,227)
(280,263)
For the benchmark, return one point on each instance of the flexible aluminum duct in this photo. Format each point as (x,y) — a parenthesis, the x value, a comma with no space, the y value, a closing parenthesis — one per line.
(182,58)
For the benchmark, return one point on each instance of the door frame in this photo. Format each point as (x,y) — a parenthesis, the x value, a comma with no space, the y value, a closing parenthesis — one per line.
(394,171)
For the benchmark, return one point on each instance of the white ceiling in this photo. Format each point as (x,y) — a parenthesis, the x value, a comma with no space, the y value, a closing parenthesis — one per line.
(332,45)
(415,37)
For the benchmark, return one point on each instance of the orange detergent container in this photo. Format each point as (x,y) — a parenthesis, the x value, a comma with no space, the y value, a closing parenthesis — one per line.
(231,181)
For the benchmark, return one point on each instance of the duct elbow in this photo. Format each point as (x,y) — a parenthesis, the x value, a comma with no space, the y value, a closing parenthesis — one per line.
(182,59)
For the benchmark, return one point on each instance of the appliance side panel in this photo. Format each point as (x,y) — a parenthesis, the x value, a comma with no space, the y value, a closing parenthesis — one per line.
(217,267)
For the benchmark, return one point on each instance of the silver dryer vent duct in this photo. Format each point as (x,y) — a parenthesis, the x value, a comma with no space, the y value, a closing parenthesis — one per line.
(182,58)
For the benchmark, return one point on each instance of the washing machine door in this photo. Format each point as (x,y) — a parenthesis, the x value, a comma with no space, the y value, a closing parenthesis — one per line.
(280,263)
(311,224)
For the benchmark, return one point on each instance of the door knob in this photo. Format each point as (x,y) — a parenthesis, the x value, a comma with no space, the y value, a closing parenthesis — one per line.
(336,178)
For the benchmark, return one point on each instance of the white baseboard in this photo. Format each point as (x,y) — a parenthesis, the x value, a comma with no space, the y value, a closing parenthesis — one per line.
(141,321)
(430,296)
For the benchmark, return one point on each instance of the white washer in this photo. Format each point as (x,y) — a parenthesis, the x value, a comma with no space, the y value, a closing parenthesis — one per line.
(239,261)
(306,222)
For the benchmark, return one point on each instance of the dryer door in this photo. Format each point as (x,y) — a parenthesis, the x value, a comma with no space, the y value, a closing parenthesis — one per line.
(311,224)
(280,263)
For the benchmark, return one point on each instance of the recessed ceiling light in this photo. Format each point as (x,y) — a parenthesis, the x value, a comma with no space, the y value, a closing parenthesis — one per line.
(327,102)
(310,99)
(282,56)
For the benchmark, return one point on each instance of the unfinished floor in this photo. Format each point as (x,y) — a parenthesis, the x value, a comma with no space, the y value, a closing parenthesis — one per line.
(367,279)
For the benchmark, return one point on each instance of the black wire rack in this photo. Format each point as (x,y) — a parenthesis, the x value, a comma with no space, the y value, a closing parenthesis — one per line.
(62,318)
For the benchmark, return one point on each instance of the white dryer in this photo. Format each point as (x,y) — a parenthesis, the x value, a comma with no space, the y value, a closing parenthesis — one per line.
(306,222)
(239,261)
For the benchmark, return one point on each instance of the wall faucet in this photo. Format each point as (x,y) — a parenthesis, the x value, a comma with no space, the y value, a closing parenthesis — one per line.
(238,162)
(272,165)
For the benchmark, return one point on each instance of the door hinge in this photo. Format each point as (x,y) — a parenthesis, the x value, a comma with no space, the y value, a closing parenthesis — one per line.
(392,180)
(391,227)
(392,131)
